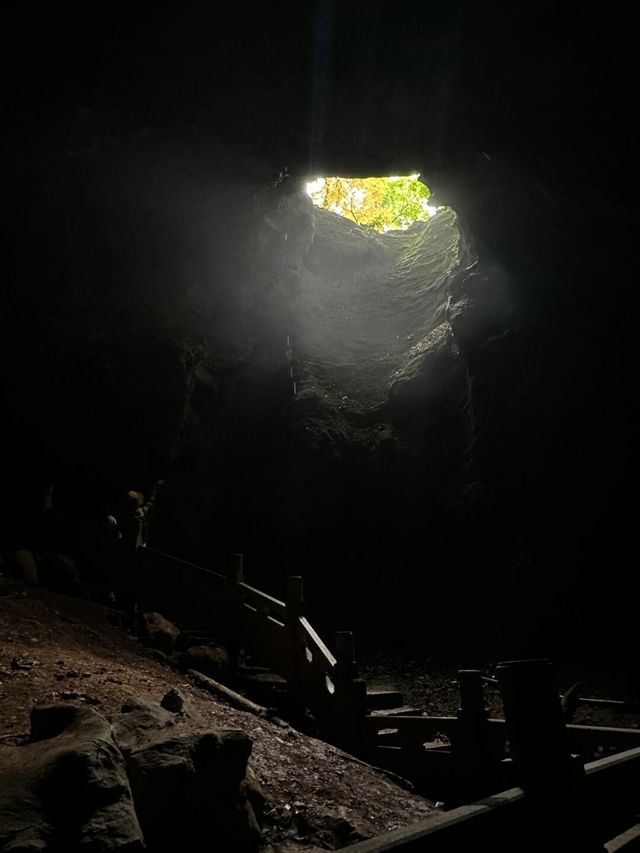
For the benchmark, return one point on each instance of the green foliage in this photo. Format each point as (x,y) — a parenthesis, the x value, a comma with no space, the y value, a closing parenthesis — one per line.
(378,203)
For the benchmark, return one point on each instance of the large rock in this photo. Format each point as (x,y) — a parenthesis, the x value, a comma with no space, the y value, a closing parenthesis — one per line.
(432,375)
(189,792)
(192,790)
(67,790)
(138,721)
(210,660)
(26,567)
(158,632)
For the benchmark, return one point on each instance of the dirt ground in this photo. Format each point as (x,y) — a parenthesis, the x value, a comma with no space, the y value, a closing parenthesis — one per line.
(55,648)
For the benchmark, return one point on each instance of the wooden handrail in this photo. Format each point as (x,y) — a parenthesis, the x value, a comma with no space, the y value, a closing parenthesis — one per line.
(209,572)
(262,598)
(314,641)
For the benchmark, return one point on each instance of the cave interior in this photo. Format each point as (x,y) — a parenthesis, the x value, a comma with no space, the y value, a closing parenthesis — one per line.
(434,427)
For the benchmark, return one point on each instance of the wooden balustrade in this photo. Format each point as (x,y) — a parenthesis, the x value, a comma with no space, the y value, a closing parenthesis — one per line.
(561,804)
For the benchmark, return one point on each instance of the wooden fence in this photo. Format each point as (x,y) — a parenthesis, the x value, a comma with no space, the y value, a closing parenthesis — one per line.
(554,802)
(604,818)
(276,631)
(548,798)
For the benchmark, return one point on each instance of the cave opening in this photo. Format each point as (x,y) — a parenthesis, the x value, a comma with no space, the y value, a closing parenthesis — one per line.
(383,203)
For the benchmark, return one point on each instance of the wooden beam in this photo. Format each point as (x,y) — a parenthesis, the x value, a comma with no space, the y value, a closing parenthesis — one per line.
(623,739)
(228,695)
(495,821)
(256,597)
(314,641)
(628,841)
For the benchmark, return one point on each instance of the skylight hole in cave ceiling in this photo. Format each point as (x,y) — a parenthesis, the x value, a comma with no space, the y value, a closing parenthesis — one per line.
(383,204)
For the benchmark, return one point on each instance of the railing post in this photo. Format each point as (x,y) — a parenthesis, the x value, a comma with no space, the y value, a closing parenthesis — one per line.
(350,695)
(295,609)
(472,716)
(236,577)
(476,754)
(552,778)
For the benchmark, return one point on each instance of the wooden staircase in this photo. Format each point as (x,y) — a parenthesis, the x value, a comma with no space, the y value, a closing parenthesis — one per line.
(389,703)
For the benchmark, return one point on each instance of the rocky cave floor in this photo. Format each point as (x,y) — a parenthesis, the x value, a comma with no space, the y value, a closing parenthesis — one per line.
(54,648)
(59,649)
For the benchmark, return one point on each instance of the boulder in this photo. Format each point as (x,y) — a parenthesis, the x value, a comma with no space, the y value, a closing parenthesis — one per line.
(190,794)
(67,789)
(210,660)
(26,567)
(138,721)
(173,701)
(158,632)
(190,789)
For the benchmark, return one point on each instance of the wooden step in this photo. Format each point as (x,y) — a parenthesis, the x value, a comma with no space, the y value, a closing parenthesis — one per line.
(377,700)
(402,711)
(263,678)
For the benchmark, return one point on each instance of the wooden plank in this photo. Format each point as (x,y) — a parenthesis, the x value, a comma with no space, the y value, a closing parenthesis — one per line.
(221,691)
(579,736)
(261,600)
(614,704)
(313,640)
(628,841)
(591,736)
(404,711)
(612,793)
(412,728)
(494,821)
(627,762)
(378,700)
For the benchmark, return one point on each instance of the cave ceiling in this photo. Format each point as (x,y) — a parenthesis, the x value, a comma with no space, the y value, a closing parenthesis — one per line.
(518,115)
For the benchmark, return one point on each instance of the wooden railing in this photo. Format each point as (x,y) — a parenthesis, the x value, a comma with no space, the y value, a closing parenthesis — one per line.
(277,631)
(409,731)
(548,798)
